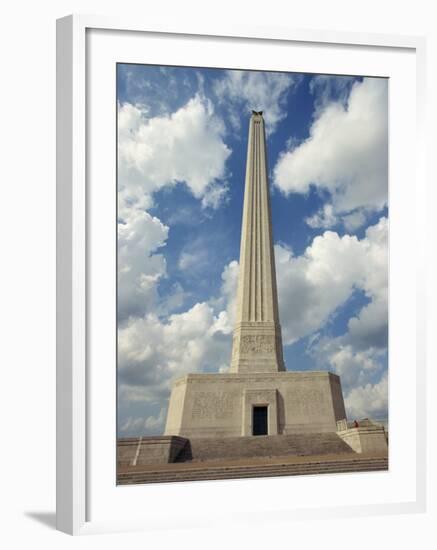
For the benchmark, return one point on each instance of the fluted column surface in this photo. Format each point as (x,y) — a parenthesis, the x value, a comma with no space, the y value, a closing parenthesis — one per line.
(257,344)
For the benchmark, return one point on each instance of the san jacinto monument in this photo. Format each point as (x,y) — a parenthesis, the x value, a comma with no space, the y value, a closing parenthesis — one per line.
(258,408)
(258,396)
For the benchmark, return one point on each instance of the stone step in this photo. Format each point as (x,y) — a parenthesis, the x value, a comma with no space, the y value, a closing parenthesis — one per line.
(250,471)
(186,476)
(192,477)
(307,444)
(256,467)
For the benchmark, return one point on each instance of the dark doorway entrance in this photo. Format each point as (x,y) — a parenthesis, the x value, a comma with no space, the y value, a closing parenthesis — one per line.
(260,420)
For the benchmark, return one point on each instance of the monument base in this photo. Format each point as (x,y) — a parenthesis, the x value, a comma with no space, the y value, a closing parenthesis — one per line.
(365,437)
(246,404)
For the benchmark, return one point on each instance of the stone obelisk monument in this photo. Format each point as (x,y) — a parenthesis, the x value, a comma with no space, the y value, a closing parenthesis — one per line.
(257,344)
(215,416)
(257,396)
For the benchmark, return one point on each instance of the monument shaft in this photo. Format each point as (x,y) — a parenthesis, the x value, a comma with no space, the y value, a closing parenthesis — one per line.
(257,342)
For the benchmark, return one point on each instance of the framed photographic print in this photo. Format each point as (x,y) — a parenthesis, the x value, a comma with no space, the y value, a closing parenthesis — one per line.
(237,318)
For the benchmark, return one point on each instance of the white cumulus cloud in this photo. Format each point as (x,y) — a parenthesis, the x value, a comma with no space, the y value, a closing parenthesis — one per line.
(346,155)
(369,400)
(311,287)
(140,267)
(184,146)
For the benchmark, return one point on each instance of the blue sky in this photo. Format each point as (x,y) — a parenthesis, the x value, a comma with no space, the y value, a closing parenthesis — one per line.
(182,138)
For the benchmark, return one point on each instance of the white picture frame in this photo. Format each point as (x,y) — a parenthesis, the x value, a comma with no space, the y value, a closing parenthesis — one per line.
(75,396)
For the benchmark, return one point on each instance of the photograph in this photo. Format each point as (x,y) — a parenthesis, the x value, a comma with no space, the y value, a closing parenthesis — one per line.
(252,273)
(219,258)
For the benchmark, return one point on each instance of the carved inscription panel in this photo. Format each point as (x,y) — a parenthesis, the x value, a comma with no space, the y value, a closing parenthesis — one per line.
(259,343)
(218,405)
